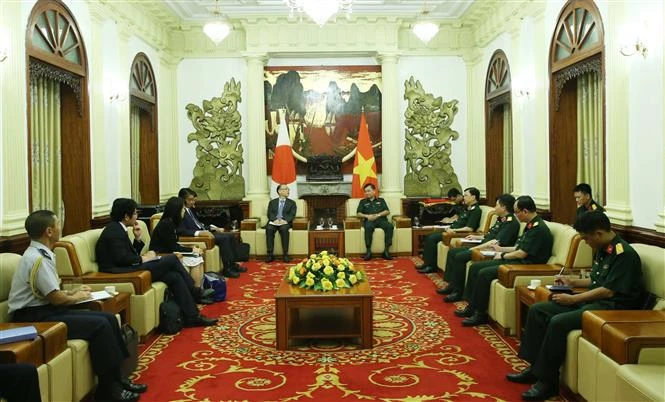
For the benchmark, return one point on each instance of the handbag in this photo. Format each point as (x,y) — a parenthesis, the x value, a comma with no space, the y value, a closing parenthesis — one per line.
(131,339)
(217,283)
(170,315)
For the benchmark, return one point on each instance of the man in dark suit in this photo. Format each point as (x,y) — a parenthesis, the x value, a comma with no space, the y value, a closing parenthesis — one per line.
(192,226)
(116,254)
(281,212)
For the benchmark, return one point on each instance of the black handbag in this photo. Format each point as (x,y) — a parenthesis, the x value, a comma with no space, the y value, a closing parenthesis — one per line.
(170,315)
(131,339)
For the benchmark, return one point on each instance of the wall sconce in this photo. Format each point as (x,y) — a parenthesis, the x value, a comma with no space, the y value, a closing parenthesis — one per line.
(3,54)
(639,47)
(117,97)
(635,40)
(522,92)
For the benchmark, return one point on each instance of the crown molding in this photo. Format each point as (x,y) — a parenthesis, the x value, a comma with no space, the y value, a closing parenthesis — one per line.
(489,19)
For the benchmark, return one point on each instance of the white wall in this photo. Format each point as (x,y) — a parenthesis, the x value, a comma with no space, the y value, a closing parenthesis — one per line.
(442,76)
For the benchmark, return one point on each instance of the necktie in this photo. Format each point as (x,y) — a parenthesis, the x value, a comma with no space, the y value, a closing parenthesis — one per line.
(280,209)
(196,221)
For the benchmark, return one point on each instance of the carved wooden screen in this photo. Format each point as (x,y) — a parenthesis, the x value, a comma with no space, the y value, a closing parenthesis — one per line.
(56,51)
(576,48)
(497,102)
(143,94)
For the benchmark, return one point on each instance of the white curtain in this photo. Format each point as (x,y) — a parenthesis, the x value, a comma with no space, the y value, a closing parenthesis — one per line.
(45,140)
(590,167)
(135,146)
(507,149)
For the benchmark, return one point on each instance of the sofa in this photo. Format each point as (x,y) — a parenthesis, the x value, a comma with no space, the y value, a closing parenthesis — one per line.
(60,379)
(487,219)
(354,233)
(567,250)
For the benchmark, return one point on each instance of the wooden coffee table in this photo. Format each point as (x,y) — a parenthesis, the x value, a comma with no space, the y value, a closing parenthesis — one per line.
(310,314)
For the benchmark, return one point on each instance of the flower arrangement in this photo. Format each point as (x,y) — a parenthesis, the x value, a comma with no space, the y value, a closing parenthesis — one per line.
(324,272)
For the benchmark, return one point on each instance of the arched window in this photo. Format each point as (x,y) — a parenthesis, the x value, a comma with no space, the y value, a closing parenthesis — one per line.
(143,131)
(577,129)
(498,127)
(58,115)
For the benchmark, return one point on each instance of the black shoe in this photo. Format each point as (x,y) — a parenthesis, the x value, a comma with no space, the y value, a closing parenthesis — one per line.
(132,387)
(270,258)
(476,319)
(206,293)
(453,297)
(466,312)
(200,321)
(287,258)
(239,268)
(541,391)
(230,274)
(116,392)
(205,301)
(523,377)
(427,269)
(386,255)
(368,256)
(446,291)
(419,266)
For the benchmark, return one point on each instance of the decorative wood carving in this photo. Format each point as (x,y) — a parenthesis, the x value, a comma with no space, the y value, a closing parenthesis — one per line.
(40,69)
(593,63)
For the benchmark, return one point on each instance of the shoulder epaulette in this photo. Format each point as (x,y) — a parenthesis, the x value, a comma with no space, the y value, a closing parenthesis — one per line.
(535,224)
(619,248)
(509,219)
(44,253)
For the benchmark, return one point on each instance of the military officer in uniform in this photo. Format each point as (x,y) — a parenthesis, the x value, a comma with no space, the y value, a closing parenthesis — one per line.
(616,282)
(503,233)
(468,220)
(533,247)
(35,295)
(375,211)
(584,200)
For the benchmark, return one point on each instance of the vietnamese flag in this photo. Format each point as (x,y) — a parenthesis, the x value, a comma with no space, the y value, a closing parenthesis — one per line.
(283,165)
(364,165)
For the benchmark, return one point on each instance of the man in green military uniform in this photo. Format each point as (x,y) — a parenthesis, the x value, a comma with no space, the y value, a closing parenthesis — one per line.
(584,200)
(503,233)
(533,247)
(616,282)
(467,220)
(375,211)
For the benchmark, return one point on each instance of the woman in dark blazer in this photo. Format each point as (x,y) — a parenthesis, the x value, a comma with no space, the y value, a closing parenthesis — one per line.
(164,239)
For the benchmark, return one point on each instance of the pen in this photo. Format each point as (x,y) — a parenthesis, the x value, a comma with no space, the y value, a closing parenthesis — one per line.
(561,272)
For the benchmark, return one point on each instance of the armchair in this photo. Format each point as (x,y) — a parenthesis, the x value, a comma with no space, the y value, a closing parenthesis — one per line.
(487,219)
(354,233)
(567,250)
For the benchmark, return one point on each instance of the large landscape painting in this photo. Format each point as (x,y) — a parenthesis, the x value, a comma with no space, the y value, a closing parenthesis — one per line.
(323,105)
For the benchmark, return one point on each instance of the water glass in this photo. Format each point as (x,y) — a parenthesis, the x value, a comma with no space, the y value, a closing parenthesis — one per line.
(416,221)
(234,225)
(331,221)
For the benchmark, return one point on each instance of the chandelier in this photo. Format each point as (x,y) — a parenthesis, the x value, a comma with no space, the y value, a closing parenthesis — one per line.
(424,29)
(217,30)
(320,11)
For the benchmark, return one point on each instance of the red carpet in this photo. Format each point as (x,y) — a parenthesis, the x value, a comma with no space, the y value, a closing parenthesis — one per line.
(421,351)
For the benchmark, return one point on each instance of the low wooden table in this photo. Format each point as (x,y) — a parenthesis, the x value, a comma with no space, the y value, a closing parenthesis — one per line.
(331,240)
(308,314)
(418,238)
(525,298)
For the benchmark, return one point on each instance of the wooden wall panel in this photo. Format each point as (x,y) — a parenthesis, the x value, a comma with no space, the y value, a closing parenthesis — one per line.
(149,174)
(494,154)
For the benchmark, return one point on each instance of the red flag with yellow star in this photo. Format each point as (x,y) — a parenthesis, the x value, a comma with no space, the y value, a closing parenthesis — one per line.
(364,166)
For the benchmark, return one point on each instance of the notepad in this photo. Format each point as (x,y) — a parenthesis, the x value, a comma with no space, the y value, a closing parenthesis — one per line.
(488,253)
(560,289)
(472,240)
(26,333)
(100,295)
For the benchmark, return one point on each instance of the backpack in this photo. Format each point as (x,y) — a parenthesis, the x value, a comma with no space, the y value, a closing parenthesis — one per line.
(241,251)
(217,283)
(170,315)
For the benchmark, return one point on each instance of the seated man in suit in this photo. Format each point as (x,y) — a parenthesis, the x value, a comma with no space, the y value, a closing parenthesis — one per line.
(616,283)
(468,220)
(375,211)
(281,212)
(116,254)
(533,247)
(503,233)
(192,226)
(35,295)
(584,200)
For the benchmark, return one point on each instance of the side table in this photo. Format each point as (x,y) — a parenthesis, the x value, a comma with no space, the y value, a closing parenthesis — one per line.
(326,239)
(525,298)
(118,304)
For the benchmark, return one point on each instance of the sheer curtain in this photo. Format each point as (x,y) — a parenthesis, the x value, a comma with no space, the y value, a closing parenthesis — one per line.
(590,166)
(507,149)
(45,141)
(135,147)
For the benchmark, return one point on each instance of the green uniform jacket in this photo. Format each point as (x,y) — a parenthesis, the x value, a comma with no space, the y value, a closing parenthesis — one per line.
(468,217)
(368,207)
(537,241)
(592,207)
(505,230)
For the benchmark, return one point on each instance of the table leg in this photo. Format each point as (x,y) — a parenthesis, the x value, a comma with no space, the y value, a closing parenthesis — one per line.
(282,324)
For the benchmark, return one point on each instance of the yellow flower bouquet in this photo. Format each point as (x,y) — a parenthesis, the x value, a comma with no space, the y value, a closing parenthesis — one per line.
(324,272)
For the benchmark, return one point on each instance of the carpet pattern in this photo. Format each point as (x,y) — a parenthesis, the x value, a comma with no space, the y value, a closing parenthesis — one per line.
(421,352)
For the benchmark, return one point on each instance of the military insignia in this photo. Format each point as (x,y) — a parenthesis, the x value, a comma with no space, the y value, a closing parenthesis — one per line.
(44,253)
(609,249)
(535,224)
(472,208)
(606,266)
(593,207)
(529,226)
(509,219)
(619,248)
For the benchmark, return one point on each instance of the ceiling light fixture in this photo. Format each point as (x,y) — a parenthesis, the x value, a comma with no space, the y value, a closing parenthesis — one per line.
(424,29)
(320,11)
(217,30)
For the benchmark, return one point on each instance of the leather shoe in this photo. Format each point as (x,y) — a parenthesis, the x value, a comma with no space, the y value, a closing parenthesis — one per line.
(230,274)
(466,312)
(427,269)
(386,255)
(116,392)
(239,268)
(287,258)
(446,291)
(205,301)
(419,266)
(270,258)
(525,376)
(368,256)
(453,297)
(200,321)
(540,391)
(476,319)
(206,293)
(133,387)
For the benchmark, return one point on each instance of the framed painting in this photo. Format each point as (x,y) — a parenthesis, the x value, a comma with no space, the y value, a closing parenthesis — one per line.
(322,106)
